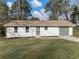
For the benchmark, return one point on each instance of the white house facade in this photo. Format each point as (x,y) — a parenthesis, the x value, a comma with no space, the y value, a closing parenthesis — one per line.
(38,28)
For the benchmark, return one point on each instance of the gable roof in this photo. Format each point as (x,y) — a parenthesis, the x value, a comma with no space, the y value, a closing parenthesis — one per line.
(38,23)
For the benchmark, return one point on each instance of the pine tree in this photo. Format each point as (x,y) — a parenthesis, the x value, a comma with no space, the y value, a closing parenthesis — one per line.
(22,7)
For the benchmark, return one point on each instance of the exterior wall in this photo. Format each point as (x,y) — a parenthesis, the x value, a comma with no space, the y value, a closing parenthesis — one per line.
(70,31)
(21,32)
(9,31)
(52,31)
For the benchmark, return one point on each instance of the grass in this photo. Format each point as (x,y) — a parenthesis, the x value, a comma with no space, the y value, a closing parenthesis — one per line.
(76,32)
(26,48)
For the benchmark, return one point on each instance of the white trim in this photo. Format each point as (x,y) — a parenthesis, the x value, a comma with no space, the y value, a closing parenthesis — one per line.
(70,31)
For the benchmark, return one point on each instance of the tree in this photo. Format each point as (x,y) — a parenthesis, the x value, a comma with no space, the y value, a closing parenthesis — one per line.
(35,18)
(58,7)
(4,9)
(75,15)
(54,6)
(21,7)
(3,15)
(66,8)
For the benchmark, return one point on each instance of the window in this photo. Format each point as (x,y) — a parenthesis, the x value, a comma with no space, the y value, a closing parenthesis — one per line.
(15,29)
(27,29)
(45,28)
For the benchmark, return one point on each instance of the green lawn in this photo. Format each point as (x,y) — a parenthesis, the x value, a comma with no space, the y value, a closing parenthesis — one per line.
(38,49)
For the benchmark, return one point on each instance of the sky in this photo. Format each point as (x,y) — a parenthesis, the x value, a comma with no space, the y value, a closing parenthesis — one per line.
(39,4)
(37,8)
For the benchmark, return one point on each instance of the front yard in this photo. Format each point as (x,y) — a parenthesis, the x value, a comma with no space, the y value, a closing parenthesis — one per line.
(26,48)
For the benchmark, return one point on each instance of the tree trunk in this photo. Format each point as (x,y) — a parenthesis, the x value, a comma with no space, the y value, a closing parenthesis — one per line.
(20,9)
(66,2)
(66,15)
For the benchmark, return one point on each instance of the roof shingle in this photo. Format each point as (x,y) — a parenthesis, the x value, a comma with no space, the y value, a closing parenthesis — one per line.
(38,23)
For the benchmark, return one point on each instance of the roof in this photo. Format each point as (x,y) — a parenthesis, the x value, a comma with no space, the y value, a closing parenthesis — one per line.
(38,23)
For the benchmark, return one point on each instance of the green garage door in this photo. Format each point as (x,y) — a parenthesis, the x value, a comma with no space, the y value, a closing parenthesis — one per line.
(64,31)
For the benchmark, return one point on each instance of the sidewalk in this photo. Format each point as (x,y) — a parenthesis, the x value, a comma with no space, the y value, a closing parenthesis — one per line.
(74,39)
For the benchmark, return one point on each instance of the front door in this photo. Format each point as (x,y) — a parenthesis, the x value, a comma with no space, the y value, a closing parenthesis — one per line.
(37,30)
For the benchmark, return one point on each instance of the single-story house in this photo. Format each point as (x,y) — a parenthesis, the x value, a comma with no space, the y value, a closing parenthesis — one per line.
(29,28)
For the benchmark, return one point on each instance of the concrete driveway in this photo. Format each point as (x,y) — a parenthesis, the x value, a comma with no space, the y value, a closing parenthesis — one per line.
(74,39)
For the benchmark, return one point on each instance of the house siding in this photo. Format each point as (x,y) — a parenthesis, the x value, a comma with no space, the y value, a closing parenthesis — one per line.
(52,31)
(21,32)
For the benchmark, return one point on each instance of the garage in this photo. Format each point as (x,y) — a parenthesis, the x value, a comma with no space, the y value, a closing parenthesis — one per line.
(64,31)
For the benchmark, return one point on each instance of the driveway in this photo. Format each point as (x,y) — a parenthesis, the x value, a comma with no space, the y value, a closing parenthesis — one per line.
(74,39)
